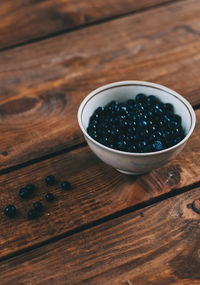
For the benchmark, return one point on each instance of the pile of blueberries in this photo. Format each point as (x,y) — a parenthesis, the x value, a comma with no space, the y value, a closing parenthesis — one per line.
(139,125)
(27,192)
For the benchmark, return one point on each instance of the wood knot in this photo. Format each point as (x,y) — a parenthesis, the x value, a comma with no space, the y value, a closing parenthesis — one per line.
(17,106)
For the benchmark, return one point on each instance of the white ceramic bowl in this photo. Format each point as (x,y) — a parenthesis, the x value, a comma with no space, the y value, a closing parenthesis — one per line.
(127,162)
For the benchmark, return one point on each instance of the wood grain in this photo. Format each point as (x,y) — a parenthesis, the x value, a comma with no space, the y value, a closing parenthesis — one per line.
(159,245)
(42,84)
(25,20)
(98,191)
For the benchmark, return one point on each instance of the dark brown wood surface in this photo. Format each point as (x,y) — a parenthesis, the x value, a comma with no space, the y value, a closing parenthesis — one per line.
(25,20)
(98,191)
(42,84)
(109,228)
(158,245)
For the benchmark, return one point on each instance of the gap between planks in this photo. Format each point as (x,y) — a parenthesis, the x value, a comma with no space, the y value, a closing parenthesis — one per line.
(94,23)
(173,193)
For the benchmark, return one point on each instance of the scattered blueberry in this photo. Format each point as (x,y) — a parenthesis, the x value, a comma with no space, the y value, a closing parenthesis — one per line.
(66,185)
(49,197)
(50,180)
(24,193)
(143,124)
(30,188)
(38,206)
(10,211)
(31,214)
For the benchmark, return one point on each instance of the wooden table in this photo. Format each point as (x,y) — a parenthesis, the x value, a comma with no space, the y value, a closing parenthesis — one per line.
(109,228)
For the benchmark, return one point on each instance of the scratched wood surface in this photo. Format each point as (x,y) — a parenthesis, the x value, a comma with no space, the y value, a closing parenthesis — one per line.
(26,20)
(98,191)
(158,245)
(42,84)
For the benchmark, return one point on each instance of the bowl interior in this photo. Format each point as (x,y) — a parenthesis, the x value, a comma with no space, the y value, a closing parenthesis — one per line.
(121,93)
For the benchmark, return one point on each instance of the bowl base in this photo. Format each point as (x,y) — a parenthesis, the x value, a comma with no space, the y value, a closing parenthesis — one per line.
(130,172)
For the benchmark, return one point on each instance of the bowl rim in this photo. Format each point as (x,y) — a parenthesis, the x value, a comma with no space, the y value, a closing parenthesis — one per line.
(140,83)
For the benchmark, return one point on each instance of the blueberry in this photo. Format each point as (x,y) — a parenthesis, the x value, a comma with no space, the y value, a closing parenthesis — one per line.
(151,100)
(121,145)
(152,129)
(132,148)
(92,126)
(149,114)
(66,185)
(38,206)
(111,145)
(142,145)
(10,211)
(131,130)
(158,134)
(177,140)
(165,134)
(94,135)
(156,110)
(177,118)
(140,98)
(94,118)
(167,118)
(49,197)
(148,148)
(168,108)
(114,105)
(31,214)
(144,133)
(50,180)
(24,193)
(30,188)
(142,124)
(99,110)
(157,145)
(130,104)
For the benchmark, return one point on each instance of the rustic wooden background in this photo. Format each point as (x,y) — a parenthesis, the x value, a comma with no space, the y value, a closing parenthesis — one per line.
(110,228)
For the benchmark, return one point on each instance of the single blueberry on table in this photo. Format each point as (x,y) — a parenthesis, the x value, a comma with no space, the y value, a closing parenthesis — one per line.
(65,185)
(50,180)
(31,214)
(24,193)
(30,187)
(49,197)
(10,211)
(38,206)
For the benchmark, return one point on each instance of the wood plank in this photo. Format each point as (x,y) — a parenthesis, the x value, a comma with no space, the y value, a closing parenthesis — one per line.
(98,191)
(158,245)
(25,20)
(42,84)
